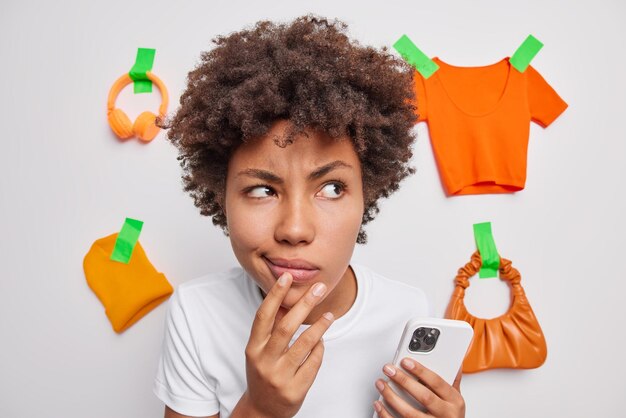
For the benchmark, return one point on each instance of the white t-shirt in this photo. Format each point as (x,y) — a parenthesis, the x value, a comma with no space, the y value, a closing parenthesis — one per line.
(202,370)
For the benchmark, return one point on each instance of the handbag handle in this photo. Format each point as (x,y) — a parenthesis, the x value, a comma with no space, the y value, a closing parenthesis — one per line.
(507,273)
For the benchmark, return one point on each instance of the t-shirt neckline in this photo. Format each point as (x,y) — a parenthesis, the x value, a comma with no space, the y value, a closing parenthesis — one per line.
(342,324)
(504,93)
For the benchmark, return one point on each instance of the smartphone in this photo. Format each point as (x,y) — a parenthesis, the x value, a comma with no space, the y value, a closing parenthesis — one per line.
(438,344)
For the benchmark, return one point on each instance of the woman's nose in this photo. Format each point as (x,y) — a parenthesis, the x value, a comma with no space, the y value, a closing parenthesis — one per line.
(296,222)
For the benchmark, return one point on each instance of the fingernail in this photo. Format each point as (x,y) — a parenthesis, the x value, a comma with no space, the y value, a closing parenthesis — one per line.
(408,364)
(389,370)
(282,280)
(377,406)
(319,289)
(329,316)
(380,385)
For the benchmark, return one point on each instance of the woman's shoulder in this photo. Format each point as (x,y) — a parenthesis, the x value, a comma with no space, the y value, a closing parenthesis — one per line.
(222,284)
(384,287)
(213,279)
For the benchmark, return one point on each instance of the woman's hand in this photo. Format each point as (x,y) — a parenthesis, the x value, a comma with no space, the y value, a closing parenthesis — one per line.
(435,394)
(280,376)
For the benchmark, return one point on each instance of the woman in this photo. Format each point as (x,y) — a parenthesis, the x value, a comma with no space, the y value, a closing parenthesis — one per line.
(288,136)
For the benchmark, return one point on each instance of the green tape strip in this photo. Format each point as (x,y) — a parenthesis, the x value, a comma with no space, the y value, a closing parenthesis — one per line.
(487,249)
(415,57)
(525,53)
(143,64)
(126,240)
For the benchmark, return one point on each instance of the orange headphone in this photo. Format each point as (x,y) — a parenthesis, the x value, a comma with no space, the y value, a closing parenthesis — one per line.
(144,126)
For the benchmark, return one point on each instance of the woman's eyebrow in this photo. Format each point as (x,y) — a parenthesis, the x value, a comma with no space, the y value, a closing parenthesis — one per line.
(261,174)
(315,174)
(327,168)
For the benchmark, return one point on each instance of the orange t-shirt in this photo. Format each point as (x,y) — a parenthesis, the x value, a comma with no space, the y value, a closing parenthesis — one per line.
(479,122)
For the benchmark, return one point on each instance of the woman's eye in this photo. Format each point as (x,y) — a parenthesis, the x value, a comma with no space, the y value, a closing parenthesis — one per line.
(333,190)
(260,191)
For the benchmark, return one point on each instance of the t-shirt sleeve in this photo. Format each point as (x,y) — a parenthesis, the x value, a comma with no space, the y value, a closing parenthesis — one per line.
(180,382)
(545,103)
(419,88)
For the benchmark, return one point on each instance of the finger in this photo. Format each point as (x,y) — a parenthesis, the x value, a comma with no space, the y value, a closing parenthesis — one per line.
(380,409)
(286,328)
(415,389)
(394,401)
(306,341)
(430,379)
(457,380)
(266,314)
(308,371)
(282,311)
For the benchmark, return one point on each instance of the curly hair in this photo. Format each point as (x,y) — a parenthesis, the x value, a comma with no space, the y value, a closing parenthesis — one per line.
(309,73)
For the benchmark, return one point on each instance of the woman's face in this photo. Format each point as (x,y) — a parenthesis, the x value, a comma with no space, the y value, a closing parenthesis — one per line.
(297,209)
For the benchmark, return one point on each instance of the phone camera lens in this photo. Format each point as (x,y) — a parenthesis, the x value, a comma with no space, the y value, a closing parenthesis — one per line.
(430,340)
(420,332)
(414,345)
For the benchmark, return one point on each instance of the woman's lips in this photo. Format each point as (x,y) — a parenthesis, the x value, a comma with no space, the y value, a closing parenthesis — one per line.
(300,275)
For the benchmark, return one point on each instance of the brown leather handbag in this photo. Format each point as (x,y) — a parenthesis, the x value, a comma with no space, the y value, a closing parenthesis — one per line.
(513,340)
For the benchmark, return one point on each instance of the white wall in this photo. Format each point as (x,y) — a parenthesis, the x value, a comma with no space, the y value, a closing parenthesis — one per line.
(66,181)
